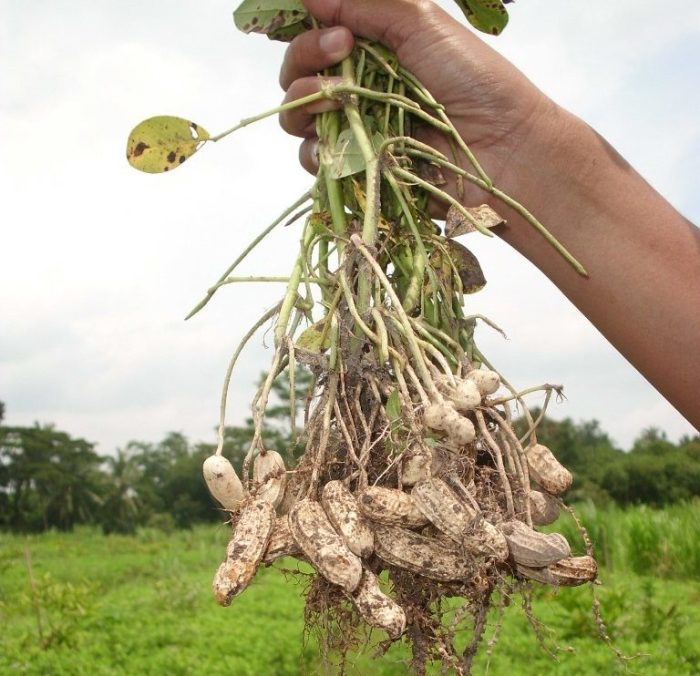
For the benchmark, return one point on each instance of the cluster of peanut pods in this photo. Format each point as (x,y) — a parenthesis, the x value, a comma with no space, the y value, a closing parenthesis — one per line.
(432,525)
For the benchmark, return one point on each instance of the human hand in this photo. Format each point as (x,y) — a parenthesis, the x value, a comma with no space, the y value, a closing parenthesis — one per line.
(492,104)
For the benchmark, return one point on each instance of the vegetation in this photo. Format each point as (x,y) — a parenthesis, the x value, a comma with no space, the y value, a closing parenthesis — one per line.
(142,604)
(50,480)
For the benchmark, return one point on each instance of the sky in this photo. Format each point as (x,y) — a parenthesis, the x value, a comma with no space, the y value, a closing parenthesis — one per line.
(99,263)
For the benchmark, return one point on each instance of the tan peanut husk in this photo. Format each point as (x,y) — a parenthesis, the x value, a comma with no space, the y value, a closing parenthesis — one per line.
(442,508)
(245,550)
(320,543)
(344,514)
(377,608)
(390,507)
(544,509)
(416,465)
(568,572)
(533,549)
(429,557)
(547,471)
(281,542)
(270,476)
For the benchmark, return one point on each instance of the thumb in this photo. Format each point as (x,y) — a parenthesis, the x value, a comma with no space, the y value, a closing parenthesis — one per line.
(407,27)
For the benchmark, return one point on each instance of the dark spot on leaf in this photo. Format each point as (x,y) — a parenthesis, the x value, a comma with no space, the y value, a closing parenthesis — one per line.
(138,150)
(171,156)
(254,20)
(166,168)
(182,159)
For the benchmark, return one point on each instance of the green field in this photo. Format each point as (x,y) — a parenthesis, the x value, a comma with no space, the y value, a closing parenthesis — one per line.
(142,605)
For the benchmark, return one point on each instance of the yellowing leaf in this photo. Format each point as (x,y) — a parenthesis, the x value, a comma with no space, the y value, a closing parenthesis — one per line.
(269,16)
(313,340)
(163,143)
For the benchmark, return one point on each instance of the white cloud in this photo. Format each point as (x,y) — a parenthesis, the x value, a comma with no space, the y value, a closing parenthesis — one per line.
(99,264)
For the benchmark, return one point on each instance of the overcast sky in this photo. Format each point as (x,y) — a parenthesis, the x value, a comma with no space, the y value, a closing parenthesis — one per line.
(99,263)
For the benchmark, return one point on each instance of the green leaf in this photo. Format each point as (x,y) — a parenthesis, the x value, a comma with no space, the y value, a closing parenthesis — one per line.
(163,143)
(393,406)
(346,158)
(312,339)
(488,16)
(268,16)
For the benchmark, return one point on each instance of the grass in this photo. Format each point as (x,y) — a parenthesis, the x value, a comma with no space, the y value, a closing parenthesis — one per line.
(125,605)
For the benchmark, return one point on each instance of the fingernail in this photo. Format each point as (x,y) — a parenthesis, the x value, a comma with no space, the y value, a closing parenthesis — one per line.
(333,42)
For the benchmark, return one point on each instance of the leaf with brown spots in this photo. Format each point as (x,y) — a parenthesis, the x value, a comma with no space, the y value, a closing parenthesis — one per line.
(271,17)
(457,224)
(163,143)
(488,16)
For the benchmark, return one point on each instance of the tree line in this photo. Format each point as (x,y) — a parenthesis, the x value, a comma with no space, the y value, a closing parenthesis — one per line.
(49,479)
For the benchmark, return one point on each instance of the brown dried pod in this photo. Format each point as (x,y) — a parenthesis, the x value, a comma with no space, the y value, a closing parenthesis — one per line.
(569,572)
(433,559)
(533,549)
(546,470)
(343,512)
(269,473)
(378,609)
(281,542)
(486,541)
(416,465)
(245,550)
(441,507)
(325,549)
(391,507)
(222,481)
(544,508)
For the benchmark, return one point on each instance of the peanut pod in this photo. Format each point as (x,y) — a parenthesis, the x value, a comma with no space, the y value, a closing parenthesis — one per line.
(533,549)
(431,558)
(269,473)
(281,542)
(391,507)
(222,481)
(378,609)
(343,512)
(569,572)
(416,465)
(544,509)
(314,533)
(441,507)
(546,470)
(245,550)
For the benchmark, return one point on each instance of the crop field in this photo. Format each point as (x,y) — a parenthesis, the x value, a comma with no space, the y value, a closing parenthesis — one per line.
(143,605)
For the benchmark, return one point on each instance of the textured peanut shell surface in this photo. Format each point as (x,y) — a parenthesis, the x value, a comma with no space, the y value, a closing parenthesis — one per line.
(245,550)
(391,507)
(281,542)
(378,609)
(547,471)
(442,508)
(431,558)
(316,537)
(531,548)
(568,572)
(269,473)
(344,514)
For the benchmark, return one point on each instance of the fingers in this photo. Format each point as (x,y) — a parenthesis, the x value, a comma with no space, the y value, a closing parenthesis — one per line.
(308,155)
(300,121)
(391,22)
(313,51)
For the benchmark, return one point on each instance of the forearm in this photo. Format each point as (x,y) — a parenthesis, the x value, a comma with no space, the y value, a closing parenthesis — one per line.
(642,256)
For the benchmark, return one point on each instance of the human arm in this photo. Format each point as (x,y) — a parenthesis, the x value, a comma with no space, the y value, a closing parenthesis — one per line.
(642,257)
